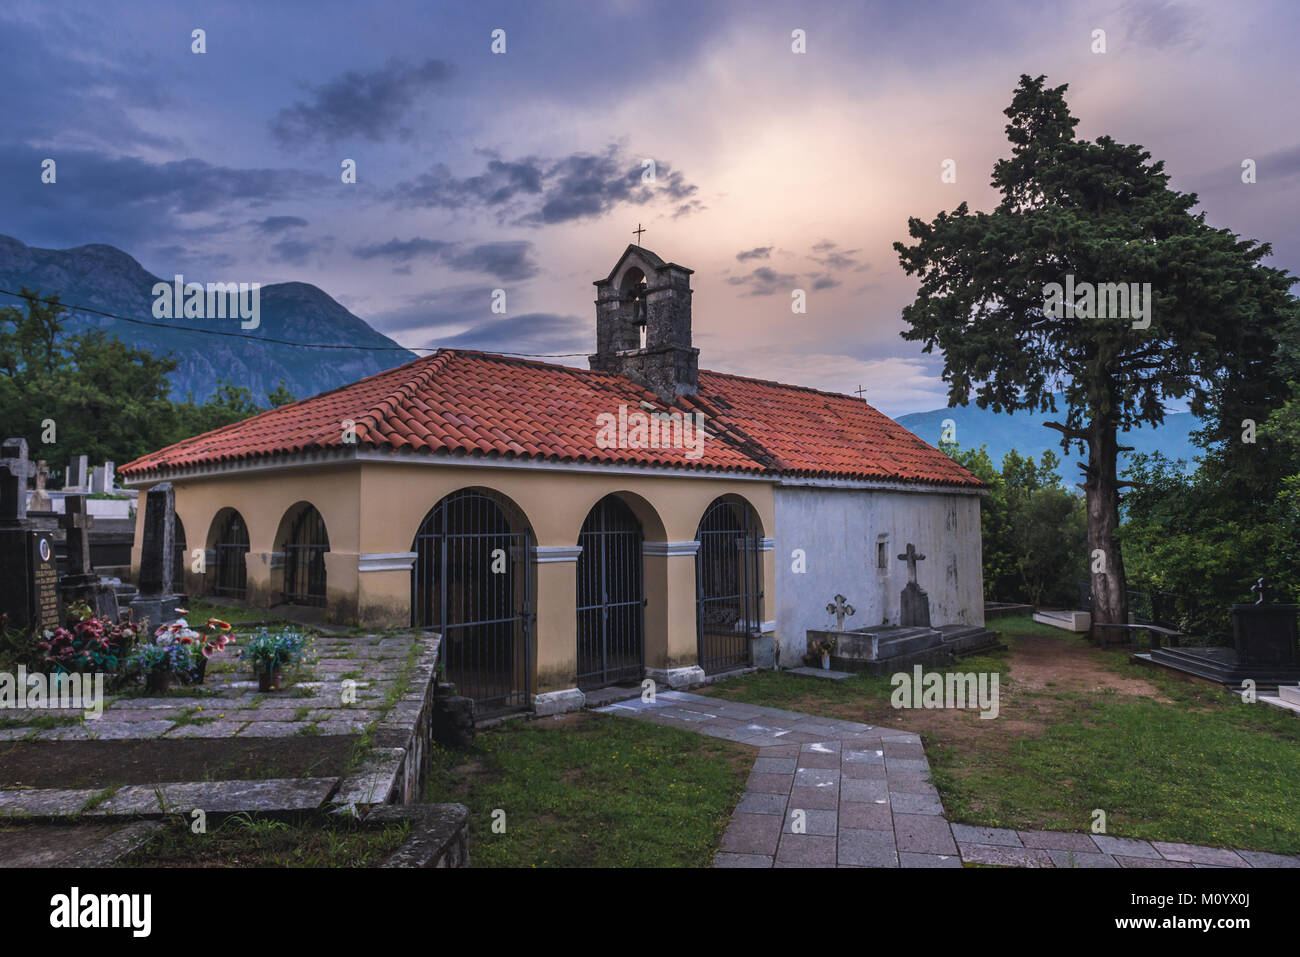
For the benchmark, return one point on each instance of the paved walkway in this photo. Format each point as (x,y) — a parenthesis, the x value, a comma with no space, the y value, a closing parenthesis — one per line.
(863,798)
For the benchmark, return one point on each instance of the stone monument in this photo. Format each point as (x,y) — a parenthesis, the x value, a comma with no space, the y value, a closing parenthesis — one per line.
(40,500)
(81,582)
(914,606)
(1265,648)
(156,599)
(29,593)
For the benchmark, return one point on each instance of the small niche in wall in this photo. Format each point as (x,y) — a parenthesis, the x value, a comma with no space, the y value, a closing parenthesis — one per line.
(882,554)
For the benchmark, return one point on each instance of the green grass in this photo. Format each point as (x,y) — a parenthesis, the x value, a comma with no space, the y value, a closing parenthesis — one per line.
(40,722)
(201,609)
(593,791)
(1199,767)
(243,841)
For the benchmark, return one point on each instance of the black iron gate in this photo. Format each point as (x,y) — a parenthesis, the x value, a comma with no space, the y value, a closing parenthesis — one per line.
(471,582)
(611,597)
(230,548)
(179,560)
(304,559)
(729,585)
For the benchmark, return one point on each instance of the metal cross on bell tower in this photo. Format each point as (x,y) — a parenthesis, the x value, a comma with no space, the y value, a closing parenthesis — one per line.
(639,230)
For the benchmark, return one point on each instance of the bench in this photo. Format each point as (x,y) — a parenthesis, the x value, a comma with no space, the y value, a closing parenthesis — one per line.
(1154,633)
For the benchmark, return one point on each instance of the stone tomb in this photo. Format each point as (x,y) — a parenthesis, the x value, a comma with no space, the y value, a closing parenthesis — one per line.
(914,641)
(29,578)
(1266,648)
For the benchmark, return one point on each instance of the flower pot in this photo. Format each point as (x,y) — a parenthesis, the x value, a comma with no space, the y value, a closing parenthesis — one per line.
(158,682)
(826,661)
(270,680)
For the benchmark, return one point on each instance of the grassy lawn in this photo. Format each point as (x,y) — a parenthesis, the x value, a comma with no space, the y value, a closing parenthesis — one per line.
(242,841)
(592,790)
(1081,729)
(201,609)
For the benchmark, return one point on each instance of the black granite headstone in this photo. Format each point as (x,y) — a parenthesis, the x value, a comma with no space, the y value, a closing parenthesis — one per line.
(1265,633)
(157,600)
(29,593)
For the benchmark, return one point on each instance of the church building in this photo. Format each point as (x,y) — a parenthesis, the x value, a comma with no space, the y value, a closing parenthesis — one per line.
(566,529)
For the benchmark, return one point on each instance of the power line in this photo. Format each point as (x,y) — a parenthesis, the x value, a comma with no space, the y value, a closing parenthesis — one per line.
(73,307)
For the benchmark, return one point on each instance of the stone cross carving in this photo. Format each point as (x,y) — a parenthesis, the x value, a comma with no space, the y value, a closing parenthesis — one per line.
(1261,588)
(841,610)
(14,471)
(911,556)
(78,522)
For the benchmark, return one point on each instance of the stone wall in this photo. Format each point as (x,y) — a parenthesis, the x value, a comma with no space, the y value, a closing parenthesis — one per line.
(841,530)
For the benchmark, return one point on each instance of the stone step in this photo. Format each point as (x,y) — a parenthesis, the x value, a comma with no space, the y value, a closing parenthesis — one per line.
(1282,703)
(1075,621)
(1289,693)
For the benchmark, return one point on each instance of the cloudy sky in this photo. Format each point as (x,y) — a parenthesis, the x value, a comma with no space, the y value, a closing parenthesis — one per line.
(522,170)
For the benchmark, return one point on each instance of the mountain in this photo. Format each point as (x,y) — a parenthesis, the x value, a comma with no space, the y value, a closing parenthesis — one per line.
(105,278)
(1025,432)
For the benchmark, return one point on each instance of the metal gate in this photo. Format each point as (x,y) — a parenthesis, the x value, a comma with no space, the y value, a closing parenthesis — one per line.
(729,585)
(231,547)
(471,582)
(304,559)
(179,563)
(611,596)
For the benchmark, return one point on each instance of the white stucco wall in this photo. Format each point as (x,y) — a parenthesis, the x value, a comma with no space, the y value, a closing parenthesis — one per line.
(839,528)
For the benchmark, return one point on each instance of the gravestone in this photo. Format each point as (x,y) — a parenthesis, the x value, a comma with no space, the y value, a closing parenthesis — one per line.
(841,609)
(1265,633)
(29,593)
(74,476)
(102,478)
(157,599)
(914,606)
(81,582)
(40,500)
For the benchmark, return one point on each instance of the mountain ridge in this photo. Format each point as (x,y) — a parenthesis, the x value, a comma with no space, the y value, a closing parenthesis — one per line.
(103,277)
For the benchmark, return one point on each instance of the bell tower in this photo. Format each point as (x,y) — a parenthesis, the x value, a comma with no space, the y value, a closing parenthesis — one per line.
(643,324)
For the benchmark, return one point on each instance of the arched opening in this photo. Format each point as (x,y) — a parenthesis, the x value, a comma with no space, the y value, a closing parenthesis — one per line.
(729,584)
(178,565)
(611,596)
(304,545)
(471,582)
(230,546)
(633,293)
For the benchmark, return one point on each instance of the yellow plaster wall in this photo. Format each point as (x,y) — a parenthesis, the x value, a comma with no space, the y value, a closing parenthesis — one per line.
(376,507)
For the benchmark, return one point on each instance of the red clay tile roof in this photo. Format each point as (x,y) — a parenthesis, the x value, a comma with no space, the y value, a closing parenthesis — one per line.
(479,404)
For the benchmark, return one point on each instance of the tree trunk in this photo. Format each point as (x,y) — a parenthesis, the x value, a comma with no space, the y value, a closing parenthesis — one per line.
(1106,565)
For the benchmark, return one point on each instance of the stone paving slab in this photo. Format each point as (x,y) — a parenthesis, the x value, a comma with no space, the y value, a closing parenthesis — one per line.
(1081,859)
(1125,846)
(867,800)
(965,834)
(219,797)
(1004,856)
(1195,854)
(230,695)
(1058,841)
